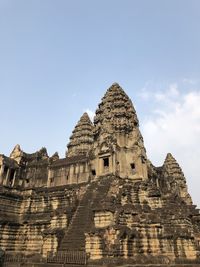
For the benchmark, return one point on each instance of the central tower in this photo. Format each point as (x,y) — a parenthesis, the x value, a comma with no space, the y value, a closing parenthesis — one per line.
(118,144)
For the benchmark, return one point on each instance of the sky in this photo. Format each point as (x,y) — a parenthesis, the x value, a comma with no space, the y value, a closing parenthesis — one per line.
(58,58)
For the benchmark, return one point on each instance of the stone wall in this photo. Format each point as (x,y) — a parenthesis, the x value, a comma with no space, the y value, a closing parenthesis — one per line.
(136,220)
(75,173)
(33,221)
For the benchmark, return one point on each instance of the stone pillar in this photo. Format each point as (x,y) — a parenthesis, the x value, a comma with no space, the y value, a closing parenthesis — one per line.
(7,177)
(79,173)
(157,183)
(14,178)
(114,163)
(49,178)
(98,161)
(1,174)
(71,173)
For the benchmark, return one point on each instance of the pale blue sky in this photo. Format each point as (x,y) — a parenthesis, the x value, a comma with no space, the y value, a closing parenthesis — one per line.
(57,58)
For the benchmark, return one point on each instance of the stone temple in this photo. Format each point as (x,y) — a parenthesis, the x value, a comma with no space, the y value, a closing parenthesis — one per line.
(104,204)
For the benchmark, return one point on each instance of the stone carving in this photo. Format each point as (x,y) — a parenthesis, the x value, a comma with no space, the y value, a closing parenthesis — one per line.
(82,137)
(55,156)
(116,112)
(105,198)
(17,153)
(174,178)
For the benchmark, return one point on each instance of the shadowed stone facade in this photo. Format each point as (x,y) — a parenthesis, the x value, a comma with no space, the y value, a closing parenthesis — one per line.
(105,198)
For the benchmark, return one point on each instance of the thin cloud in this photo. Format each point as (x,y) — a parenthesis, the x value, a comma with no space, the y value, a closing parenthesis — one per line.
(189,81)
(144,94)
(174,126)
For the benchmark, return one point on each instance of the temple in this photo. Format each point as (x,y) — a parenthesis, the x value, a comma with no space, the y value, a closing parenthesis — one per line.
(104,204)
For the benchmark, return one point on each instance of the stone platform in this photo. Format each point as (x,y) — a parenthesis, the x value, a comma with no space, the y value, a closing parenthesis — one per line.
(91,265)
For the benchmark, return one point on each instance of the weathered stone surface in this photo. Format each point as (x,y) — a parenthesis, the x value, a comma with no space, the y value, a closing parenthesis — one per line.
(116,112)
(117,137)
(82,137)
(105,198)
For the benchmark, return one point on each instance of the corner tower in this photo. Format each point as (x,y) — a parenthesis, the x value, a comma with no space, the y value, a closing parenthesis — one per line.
(118,144)
(81,138)
(174,179)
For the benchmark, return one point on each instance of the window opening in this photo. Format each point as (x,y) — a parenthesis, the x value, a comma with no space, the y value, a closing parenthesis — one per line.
(133,166)
(5,171)
(12,173)
(106,162)
(93,172)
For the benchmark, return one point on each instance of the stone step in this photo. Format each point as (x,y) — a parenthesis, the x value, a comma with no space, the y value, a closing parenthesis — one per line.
(81,222)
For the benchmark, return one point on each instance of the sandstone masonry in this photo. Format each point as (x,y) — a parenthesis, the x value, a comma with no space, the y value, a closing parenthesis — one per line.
(105,198)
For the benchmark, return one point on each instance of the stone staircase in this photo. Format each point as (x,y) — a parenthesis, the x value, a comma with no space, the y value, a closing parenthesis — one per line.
(82,221)
(135,195)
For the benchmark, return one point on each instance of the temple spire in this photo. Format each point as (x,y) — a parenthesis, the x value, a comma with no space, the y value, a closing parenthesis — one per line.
(172,167)
(117,138)
(81,138)
(116,112)
(175,179)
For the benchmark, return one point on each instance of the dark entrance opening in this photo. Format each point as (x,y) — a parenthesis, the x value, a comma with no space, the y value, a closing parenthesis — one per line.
(12,173)
(5,171)
(93,172)
(133,166)
(106,162)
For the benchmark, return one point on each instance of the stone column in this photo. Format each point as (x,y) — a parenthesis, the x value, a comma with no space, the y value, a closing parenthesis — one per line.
(113,156)
(157,183)
(1,174)
(78,173)
(7,177)
(97,164)
(49,178)
(71,171)
(14,178)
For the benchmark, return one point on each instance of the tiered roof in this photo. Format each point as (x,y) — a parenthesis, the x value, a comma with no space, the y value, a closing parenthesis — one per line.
(172,167)
(82,137)
(116,111)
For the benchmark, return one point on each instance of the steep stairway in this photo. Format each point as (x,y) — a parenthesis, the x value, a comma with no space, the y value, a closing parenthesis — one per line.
(135,195)
(82,221)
